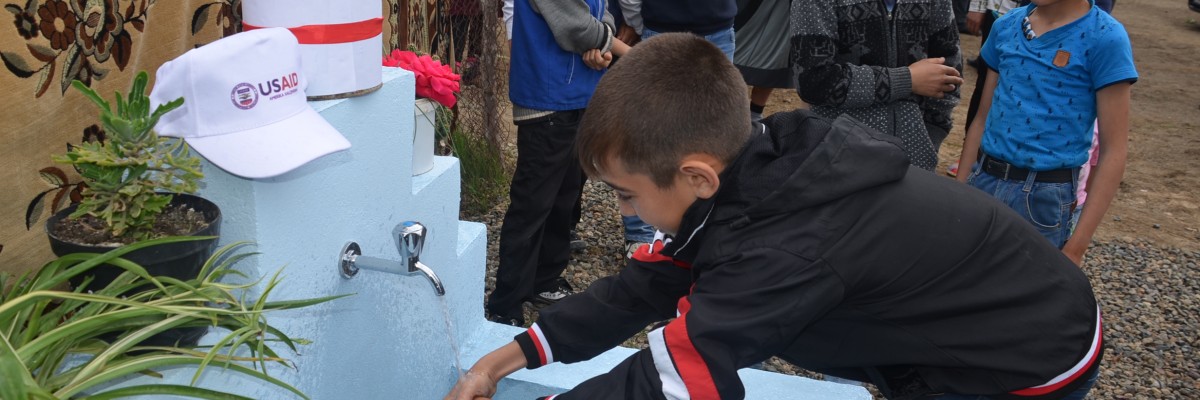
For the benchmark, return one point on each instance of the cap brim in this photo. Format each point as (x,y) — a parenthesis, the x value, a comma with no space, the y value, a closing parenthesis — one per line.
(273,149)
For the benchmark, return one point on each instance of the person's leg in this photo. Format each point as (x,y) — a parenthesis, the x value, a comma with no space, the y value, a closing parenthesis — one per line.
(577,214)
(555,250)
(758,101)
(535,185)
(981,69)
(724,41)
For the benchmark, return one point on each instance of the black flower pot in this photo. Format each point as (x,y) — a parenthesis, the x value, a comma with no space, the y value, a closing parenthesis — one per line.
(181,261)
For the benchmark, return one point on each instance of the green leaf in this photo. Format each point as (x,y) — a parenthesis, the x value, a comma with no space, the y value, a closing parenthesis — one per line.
(127,367)
(18,383)
(171,390)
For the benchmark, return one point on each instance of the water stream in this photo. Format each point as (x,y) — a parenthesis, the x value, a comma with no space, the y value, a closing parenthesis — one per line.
(458,370)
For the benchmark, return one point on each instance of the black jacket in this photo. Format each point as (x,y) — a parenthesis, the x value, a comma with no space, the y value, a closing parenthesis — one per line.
(823,247)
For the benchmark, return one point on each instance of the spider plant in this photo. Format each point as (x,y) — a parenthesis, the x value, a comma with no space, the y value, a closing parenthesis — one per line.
(51,344)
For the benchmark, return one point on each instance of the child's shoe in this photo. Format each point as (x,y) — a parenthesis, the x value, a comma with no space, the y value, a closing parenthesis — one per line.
(553,296)
(518,321)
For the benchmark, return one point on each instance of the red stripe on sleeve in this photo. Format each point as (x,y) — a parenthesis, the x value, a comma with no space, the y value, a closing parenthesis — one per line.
(691,366)
(537,344)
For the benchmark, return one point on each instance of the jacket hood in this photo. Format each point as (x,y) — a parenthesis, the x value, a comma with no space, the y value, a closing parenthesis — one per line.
(801,160)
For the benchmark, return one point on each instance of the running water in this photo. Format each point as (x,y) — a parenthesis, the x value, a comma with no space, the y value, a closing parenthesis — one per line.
(458,371)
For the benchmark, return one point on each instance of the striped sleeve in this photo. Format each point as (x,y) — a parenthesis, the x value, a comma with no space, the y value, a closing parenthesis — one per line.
(683,372)
(535,346)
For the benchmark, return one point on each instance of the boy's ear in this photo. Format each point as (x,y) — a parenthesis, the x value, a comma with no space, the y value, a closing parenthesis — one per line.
(701,175)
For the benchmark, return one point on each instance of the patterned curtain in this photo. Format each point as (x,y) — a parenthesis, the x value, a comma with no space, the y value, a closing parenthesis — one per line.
(46,44)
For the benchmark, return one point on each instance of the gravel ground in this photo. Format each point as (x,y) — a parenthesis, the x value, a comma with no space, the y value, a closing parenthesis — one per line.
(1148,294)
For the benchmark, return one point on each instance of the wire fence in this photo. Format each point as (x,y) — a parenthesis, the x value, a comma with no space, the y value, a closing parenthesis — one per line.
(469,36)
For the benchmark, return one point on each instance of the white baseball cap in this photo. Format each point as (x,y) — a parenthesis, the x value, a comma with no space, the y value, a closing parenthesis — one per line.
(244,105)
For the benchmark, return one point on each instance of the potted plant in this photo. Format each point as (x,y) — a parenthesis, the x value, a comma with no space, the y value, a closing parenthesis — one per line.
(51,341)
(436,84)
(137,186)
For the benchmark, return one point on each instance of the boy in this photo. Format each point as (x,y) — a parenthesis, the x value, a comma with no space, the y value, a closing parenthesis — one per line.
(801,238)
(559,51)
(892,64)
(1053,67)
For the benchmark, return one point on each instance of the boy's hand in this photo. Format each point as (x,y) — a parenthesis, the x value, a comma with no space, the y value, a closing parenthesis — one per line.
(931,77)
(974,22)
(628,35)
(473,385)
(597,60)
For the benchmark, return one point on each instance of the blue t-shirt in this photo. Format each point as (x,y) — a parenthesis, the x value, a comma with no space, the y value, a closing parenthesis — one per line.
(1045,100)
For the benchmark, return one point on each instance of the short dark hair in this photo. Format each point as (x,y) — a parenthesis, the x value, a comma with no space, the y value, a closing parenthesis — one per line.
(672,95)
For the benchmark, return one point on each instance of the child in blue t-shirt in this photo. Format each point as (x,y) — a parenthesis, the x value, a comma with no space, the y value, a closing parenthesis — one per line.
(1055,66)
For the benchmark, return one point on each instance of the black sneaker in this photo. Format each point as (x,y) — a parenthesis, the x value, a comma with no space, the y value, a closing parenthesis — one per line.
(577,244)
(553,296)
(506,320)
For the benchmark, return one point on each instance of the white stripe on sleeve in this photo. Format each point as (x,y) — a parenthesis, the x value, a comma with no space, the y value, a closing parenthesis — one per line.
(672,384)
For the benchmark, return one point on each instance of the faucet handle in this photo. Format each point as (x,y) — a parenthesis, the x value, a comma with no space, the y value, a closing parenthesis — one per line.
(410,237)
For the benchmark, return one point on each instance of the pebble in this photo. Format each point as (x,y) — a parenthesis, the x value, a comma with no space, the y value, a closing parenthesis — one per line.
(1148,293)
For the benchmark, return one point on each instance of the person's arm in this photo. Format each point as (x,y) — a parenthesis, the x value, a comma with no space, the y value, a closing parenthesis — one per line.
(748,308)
(937,112)
(632,11)
(970,148)
(975,15)
(1112,107)
(822,80)
(481,379)
(573,26)
(1113,73)
(586,324)
(508,18)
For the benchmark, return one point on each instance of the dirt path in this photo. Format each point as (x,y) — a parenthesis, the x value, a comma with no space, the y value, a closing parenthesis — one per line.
(1162,180)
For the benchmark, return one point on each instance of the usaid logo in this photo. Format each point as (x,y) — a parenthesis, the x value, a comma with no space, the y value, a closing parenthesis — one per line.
(244,96)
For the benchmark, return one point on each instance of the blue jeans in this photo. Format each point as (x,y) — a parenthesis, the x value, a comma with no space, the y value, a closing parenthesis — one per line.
(637,230)
(1078,394)
(1050,207)
(722,38)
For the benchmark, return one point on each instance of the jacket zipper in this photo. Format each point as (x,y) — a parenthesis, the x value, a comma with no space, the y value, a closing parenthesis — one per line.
(890,27)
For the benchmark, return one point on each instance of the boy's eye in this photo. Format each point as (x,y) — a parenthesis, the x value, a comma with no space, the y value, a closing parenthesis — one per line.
(623,196)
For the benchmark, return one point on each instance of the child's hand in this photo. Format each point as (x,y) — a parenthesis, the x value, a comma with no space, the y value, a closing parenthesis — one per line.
(597,60)
(974,22)
(931,77)
(628,35)
(473,385)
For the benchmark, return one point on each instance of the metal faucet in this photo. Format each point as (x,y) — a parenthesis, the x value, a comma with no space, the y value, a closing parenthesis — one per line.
(410,240)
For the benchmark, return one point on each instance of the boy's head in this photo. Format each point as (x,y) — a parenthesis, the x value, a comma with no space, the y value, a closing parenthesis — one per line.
(663,123)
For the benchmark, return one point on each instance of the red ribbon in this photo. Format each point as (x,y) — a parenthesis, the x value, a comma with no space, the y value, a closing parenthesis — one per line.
(332,33)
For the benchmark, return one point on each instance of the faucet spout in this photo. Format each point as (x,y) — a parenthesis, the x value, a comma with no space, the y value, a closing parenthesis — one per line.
(433,278)
(410,241)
